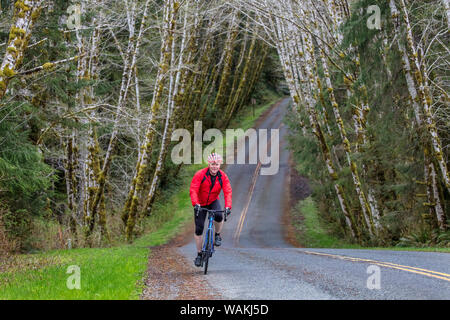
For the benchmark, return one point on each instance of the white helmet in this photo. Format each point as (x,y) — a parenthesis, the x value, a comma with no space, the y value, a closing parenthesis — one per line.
(214,157)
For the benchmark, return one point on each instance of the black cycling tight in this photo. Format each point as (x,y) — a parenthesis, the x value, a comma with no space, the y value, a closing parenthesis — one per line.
(200,220)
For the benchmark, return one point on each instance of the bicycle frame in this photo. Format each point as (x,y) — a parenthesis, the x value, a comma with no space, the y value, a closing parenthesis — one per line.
(208,238)
(208,243)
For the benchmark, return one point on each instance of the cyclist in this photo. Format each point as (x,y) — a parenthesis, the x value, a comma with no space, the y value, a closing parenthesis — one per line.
(204,191)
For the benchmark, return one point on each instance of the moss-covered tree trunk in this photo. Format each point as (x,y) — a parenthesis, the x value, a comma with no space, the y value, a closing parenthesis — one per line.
(291,52)
(205,72)
(176,102)
(237,76)
(131,206)
(424,97)
(70,164)
(365,207)
(25,14)
(423,117)
(446,5)
(88,142)
(221,97)
(310,62)
(236,97)
(131,55)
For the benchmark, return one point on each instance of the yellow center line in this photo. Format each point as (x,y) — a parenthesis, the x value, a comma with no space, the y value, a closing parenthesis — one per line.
(244,211)
(413,271)
(403,266)
(426,272)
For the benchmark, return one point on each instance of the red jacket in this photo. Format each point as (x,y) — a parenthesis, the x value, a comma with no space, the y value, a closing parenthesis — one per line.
(201,192)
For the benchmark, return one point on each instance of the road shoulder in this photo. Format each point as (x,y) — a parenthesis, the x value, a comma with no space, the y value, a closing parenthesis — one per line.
(170,277)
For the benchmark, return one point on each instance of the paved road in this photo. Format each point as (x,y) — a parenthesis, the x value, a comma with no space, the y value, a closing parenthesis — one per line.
(255,261)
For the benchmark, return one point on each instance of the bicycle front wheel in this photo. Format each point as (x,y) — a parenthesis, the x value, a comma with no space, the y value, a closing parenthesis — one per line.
(205,262)
(208,251)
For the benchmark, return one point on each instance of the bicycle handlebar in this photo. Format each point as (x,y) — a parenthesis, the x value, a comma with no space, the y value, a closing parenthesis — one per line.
(214,211)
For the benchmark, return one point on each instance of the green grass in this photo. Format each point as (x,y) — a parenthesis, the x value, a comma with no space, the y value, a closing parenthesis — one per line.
(109,273)
(312,234)
(105,273)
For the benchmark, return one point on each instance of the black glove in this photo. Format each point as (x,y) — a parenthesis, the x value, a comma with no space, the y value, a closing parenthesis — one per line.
(197,209)
(227,211)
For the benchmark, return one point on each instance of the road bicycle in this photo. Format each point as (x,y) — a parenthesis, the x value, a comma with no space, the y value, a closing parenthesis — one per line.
(208,240)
